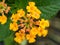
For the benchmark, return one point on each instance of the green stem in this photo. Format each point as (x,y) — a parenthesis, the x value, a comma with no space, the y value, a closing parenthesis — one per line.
(24,42)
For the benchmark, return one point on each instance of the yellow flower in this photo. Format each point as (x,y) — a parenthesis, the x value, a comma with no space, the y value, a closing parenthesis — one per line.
(31,3)
(30,38)
(15,17)
(44,23)
(13,26)
(34,31)
(19,37)
(42,32)
(47,23)
(31,8)
(35,15)
(17,34)
(0,18)
(38,11)
(45,32)
(21,13)
(3,19)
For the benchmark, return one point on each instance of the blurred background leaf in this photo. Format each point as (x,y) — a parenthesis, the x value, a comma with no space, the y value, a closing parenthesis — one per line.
(4,30)
(10,40)
(54,34)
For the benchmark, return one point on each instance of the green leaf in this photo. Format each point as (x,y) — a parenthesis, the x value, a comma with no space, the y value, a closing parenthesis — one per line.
(4,30)
(49,12)
(10,40)
(19,4)
(49,8)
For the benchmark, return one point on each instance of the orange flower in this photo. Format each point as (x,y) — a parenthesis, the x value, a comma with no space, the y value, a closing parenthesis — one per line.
(42,32)
(13,26)
(21,13)
(34,31)
(15,17)
(19,36)
(44,23)
(3,19)
(33,10)
(30,38)
(31,4)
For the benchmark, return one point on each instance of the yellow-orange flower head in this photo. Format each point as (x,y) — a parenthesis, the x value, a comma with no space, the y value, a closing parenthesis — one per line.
(3,19)
(28,26)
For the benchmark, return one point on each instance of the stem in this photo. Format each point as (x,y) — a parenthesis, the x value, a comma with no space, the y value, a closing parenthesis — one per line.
(2,13)
(24,42)
(3,1)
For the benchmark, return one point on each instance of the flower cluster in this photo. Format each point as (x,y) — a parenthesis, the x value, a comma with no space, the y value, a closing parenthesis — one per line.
(33,10)
(3,9)
(27,25)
